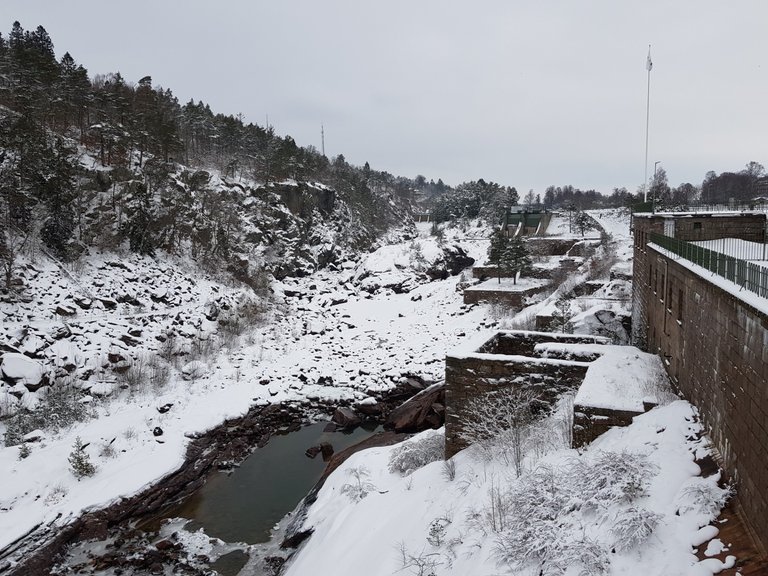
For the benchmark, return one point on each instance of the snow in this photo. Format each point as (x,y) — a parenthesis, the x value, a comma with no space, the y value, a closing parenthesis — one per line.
(322,337)
(399,511)
(20,367)
(508,285)
(560,228)
(369,343)
(620,379)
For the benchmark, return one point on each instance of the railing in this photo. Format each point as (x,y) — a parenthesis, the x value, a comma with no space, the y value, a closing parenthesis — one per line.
(701,207)
(748,275)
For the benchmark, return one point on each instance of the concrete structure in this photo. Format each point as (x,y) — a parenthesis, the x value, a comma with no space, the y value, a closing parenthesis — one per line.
(551,364)
(525,221)
(713,338)
(511,295)
(506,359)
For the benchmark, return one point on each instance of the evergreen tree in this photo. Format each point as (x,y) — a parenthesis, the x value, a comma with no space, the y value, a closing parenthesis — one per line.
(138,226)
(582,222)
(496,251)
(562,315)
(515,258)
(80,461)
(58,194)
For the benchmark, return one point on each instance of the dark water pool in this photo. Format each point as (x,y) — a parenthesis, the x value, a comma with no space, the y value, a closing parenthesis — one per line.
(244,505)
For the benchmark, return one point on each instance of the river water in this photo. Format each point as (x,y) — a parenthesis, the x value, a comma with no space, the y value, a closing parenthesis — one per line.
(244,505)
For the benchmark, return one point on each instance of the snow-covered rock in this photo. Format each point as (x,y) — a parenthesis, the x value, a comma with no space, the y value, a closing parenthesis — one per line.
(20,368)
(194,370)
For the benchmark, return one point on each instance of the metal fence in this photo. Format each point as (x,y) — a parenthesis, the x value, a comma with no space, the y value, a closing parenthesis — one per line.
(701,207)
(747,275)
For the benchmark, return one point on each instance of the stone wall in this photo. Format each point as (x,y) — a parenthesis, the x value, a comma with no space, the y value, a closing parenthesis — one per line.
(508,298)
(523,343)
(545,246)
(506,361)
(715,348)
(590,422)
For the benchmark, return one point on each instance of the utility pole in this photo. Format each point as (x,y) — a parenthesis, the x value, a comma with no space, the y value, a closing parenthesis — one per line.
(322,138)
(648,66)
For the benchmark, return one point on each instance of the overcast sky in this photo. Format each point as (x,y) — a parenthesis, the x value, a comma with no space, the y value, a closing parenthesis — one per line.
(526,94)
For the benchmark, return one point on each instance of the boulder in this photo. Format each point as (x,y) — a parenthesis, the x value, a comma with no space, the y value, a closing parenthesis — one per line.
(327,450)
(18,368)
(369,407)
(419,412)
(346,418)
(194,370)
(66,310)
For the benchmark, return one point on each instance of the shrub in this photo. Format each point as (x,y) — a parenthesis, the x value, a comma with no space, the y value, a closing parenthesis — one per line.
(59,408)
(414,454)
(24,451)
(498,423)
(632,527)
(360,487)
(449,470)
(702,496)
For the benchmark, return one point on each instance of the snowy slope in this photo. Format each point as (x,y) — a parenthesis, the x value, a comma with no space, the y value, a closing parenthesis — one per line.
(399,513)
(321,338)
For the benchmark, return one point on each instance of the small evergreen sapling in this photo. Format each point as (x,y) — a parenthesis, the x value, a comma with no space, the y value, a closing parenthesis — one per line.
(24,451)
(80,461)
(562,316)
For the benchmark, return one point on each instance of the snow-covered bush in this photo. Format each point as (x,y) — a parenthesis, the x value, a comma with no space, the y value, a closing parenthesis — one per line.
(414,454)
(497,424)
(632,527)
(24,451)
(418,563)
(58,408)
(539,520)
(360,487)
(608,478)
(437,531)
(702,496)
(449,470)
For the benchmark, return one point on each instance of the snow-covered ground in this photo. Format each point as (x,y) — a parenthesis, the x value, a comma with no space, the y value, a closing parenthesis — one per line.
(324,338)
(631,503)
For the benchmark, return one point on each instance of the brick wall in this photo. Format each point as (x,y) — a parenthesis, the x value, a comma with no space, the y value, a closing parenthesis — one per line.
(714,347)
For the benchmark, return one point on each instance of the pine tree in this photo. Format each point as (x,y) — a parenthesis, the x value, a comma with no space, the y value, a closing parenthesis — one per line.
(138,226)
(496,250)
(79,460)
(515,258)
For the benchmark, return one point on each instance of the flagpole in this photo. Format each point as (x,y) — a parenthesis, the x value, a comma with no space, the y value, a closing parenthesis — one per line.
(648,66)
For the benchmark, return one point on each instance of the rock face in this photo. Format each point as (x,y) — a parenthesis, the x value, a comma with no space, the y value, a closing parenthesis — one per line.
(425,410)
(454,260)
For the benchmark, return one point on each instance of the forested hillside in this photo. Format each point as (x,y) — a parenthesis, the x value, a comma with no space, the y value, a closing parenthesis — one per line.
(103,163)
